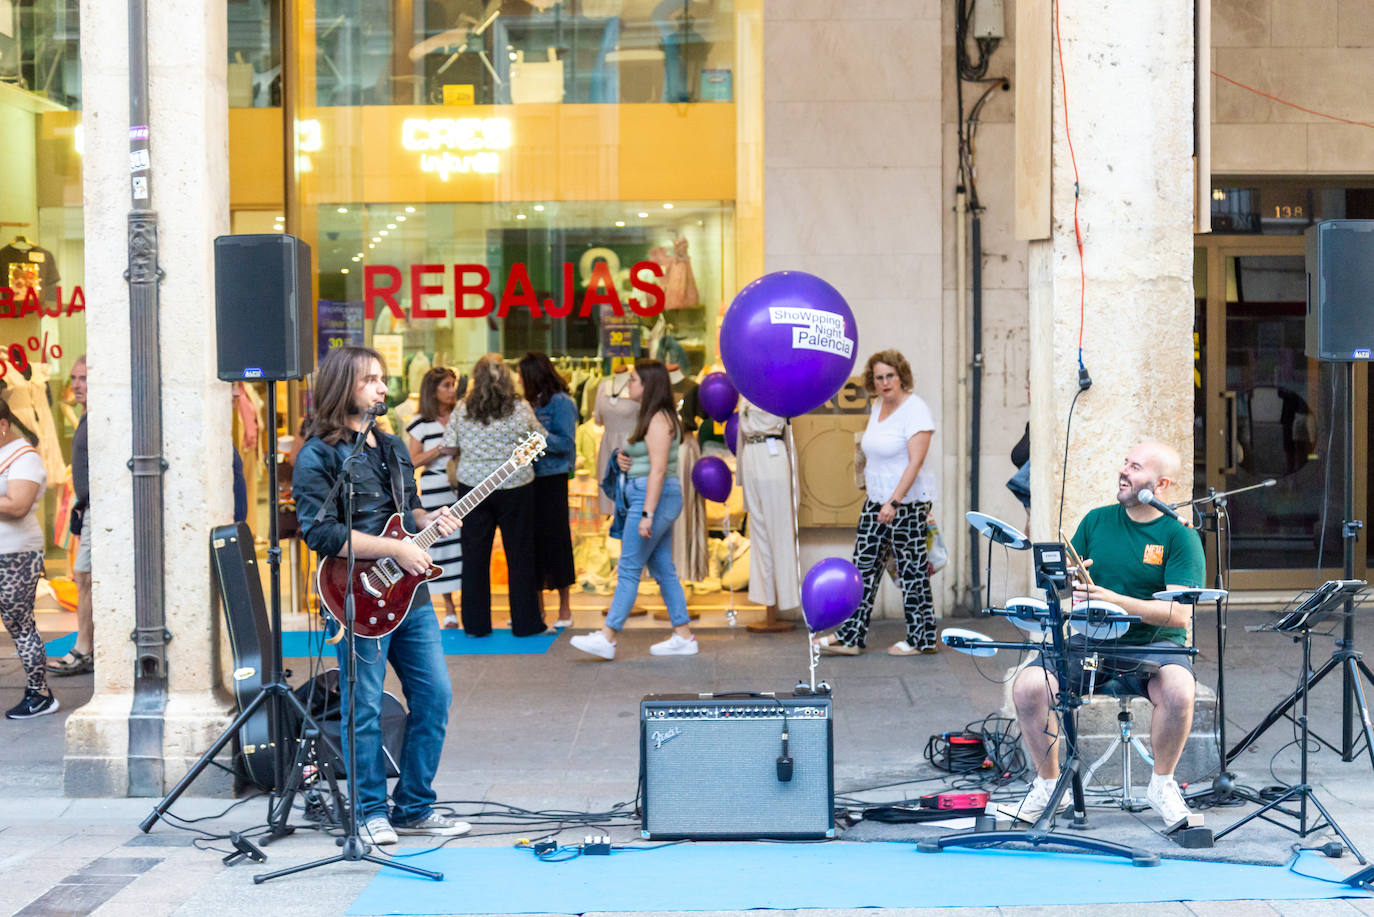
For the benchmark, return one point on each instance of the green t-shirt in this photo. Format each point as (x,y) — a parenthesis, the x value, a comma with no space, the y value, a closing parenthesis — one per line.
(1138,559)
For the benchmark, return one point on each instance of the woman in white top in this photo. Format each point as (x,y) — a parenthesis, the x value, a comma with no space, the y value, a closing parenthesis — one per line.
(22,477)
(900,490)
(425,434)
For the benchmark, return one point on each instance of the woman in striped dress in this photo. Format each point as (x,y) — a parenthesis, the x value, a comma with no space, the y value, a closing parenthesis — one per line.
(438,395)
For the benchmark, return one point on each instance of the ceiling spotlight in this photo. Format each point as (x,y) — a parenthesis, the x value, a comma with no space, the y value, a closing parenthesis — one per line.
(410,210)
(390,225)
(371,245)
(343,210)
(280,219)
(400,218)
(521,216)
(667,206)
(538,208)
(620,222)
(642,214)
(343,270)
(376,238)
(381,232)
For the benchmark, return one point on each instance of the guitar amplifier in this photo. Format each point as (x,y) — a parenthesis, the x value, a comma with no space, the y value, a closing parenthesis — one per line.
(710,767)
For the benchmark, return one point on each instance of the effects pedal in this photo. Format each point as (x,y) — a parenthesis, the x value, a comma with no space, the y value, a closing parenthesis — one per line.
(944,801)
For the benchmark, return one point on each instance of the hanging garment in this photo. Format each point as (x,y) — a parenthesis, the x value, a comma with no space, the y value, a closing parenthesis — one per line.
(617,414)
(28,399)
(689,531)
(765,473)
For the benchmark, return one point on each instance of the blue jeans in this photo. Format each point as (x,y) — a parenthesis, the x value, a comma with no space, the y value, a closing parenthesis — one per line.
(415,652)
(655,552)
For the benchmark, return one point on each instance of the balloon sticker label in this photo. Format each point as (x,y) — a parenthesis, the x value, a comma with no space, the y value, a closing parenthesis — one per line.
(820,330)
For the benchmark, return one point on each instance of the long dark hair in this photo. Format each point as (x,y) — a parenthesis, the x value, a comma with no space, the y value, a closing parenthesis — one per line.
(657,397)
(7,414)
(491,390)
(335,377)
(429,391)
(539,378)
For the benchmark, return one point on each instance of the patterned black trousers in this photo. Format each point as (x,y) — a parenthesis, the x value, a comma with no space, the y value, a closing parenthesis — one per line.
(19,575)
(905,539)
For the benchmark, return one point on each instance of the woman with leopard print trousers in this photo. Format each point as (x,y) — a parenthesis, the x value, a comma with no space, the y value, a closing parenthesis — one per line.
(22,479)
(900,490)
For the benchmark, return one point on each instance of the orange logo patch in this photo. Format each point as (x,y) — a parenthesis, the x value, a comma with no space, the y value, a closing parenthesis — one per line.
(1154,554)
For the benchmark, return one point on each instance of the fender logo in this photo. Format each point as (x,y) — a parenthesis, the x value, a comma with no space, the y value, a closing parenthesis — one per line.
(658,738)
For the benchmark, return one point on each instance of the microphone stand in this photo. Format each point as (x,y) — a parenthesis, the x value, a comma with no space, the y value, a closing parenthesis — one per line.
(355,849)
(1224,790)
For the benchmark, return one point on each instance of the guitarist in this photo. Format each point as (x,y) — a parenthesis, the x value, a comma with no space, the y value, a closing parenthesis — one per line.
(348,382)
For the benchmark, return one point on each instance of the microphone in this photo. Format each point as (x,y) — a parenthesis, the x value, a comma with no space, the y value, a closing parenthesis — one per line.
(377,410)
(1147,498)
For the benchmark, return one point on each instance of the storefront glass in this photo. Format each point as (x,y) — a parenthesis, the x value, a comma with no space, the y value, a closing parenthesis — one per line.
(42,302)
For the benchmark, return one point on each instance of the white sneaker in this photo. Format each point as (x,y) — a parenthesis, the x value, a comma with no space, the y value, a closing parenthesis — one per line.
(450,621)
(675,646)
(594,643)
(378,830)
(1167,801)
(1034,802)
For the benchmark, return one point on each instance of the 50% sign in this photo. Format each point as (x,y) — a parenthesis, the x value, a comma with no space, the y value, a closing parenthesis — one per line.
(17,355)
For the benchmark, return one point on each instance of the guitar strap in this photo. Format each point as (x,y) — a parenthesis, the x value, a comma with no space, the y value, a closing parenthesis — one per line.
(393,467)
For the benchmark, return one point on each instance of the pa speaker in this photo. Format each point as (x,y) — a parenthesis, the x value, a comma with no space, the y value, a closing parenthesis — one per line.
(720,768)
(1340,291)
(264,317)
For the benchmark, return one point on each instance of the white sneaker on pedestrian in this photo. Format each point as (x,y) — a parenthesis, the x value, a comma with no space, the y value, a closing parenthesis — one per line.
(1167,800)
(450,621)
(594,643)
(1034,802)
(675,646)
(377,830)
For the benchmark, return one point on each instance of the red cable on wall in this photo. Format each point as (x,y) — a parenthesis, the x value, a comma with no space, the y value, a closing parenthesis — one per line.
(1319,114)
(1073,158)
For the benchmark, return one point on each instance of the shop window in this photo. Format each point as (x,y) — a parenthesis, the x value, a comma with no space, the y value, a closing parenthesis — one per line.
(39,48)
(456,52)
(254,74)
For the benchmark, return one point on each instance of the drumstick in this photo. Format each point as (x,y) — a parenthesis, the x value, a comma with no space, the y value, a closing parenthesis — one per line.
(1077,561)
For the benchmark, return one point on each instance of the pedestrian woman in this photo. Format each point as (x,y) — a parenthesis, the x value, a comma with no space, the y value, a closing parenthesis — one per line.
(655,497)
(900,490)
(486,427)
(22,478)
(438,397)
(554,408)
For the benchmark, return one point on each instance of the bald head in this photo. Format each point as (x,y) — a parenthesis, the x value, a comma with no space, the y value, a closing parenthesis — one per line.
(1151,464)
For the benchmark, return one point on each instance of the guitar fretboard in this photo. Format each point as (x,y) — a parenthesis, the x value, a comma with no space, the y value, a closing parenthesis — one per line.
(464,506)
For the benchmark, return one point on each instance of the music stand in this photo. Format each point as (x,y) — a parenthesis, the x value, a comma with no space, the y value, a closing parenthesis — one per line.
(1311,607)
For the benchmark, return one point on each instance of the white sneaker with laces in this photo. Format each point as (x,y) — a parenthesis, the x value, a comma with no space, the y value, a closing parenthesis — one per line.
(450,621)
(435,825)
(675,646)
(378,830)
(1034,802)
(594,643)
(1167,800)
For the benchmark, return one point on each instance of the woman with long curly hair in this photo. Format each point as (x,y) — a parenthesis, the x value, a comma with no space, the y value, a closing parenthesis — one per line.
(547,393)
(655,496)
(486,427)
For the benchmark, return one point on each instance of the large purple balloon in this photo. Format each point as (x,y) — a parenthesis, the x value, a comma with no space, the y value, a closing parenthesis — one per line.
(789,342)
(732,433)
(712,478)
(718,396)
(831,592)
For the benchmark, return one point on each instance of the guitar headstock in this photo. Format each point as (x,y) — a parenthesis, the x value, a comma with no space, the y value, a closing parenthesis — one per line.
(530,448)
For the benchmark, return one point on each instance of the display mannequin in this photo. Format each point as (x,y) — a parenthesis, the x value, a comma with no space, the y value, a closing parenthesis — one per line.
(617,415)
(765,474)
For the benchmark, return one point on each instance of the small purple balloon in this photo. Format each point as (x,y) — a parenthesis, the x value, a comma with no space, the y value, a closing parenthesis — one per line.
(831,592)
(712,479)
(732,433)
(789,342)
(718,396)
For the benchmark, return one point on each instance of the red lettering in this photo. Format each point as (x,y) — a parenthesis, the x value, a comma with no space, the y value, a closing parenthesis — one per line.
(461,289)
(519,292)
(569,294)
(56,309)
(601,291)
(653,290)
(387,293)
(78,302)
(419,288)
(31,304)
(7,302)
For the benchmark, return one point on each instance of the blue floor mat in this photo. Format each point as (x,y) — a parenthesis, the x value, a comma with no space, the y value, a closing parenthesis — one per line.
(504,880)
(301,643)
(60,646)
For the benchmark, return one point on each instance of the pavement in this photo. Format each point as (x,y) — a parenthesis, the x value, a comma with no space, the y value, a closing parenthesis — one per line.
(560,731)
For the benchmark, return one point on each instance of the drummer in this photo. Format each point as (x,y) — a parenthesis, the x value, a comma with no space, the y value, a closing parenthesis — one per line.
(1132,551)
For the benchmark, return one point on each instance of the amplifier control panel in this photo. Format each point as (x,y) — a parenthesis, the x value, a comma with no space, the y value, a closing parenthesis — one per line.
(658,708)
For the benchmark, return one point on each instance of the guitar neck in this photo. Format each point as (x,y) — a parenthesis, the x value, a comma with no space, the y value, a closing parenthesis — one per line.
(469,501)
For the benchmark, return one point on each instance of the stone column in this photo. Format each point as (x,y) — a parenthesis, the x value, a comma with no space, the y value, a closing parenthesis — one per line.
(189,146)
(1130,113)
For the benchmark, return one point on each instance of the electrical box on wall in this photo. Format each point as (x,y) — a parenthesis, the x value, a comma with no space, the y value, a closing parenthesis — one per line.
(988,20)
(825,458)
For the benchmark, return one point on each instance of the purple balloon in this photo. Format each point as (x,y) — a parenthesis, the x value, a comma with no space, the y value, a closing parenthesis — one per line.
(718,396)
(732,433)
(712,478)
(831,592)
(789,342)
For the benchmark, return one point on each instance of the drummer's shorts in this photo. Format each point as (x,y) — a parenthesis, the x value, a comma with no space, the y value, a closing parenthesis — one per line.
(1131,672)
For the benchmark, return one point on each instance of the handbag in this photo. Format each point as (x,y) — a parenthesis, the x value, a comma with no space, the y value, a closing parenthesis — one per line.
(937,555)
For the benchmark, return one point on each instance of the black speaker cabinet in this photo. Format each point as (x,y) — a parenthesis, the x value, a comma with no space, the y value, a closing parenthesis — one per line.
(1340,291)
(709,767)
(264,311)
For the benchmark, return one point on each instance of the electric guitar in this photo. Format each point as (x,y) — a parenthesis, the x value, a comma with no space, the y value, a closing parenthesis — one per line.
(382,590)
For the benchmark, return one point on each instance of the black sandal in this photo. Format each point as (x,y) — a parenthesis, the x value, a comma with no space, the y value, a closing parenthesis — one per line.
(74,663)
